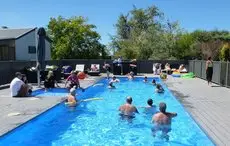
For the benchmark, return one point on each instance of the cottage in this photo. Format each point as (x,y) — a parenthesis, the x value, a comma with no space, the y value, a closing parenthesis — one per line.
(20,44)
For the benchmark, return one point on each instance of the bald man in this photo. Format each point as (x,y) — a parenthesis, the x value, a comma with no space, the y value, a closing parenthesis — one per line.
(162,121)
(128,110)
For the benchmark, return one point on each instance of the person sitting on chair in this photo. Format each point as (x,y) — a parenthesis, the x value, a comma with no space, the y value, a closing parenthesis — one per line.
(94,68)
(17,87)
(182,69)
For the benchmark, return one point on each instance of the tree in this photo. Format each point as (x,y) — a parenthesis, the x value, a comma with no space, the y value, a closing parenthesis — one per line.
(73,38)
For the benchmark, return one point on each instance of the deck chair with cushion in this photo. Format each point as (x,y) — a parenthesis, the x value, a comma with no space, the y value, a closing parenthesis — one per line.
(80,67)
(94,70)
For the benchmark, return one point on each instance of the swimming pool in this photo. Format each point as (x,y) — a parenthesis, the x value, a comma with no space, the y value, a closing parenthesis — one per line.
(98,123)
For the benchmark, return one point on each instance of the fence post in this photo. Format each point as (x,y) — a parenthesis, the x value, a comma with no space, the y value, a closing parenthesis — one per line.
(193,62)
(226,78)
(201,69)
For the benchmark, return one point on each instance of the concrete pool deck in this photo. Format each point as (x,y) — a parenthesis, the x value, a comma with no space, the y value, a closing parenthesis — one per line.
(16,111)
(209,106)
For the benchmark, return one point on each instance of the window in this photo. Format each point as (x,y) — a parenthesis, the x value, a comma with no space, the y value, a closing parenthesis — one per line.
(32,50)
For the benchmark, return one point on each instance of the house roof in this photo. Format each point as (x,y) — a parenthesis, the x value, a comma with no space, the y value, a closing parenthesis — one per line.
(14,33)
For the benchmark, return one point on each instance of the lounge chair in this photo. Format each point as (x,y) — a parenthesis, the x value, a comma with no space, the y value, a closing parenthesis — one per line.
(94,70)
(80,67)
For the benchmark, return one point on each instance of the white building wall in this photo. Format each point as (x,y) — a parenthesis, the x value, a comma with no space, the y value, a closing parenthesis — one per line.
(22,47)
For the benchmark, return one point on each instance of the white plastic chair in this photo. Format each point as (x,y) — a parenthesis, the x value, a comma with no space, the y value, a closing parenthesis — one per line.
(80,67)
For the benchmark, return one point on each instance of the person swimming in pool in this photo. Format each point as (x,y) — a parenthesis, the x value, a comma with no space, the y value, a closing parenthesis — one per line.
(115,80)
(159,89)
(128,110)
(162,121)
(131,75)
(150,108)
(154,82)
(145,79)
(71,100)
(111,86)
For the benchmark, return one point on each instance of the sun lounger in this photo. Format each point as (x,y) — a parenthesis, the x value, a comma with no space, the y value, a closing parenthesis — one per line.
(80,67)
(94,70)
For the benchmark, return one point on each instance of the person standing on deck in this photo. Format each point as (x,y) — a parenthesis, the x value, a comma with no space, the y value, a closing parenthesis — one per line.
(209,70)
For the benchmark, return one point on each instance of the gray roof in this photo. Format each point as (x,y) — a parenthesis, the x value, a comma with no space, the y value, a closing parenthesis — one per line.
(13,33)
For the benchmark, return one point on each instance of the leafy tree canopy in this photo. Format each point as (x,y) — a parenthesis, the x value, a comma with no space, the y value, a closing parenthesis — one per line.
(73,38)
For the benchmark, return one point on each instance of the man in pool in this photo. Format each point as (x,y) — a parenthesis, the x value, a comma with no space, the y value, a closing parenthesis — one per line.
(150,108)
(128,110)
(162,121)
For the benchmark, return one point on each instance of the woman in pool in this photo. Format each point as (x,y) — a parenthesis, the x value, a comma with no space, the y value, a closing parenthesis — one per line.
(159,89)
(154,82)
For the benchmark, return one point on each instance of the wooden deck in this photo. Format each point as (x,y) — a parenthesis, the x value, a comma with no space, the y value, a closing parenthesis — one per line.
(209,106)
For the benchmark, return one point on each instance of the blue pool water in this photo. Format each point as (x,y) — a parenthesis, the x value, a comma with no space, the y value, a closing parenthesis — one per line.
(98,123)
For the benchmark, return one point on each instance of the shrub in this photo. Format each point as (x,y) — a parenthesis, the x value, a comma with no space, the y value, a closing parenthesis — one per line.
(225,52)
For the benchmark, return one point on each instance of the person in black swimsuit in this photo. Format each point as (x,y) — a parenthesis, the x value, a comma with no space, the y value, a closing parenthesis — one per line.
(209,70)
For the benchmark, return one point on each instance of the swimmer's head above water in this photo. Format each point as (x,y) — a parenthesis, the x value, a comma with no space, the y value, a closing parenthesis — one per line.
(150,102)
(129,100)
(162,107)
(114,77)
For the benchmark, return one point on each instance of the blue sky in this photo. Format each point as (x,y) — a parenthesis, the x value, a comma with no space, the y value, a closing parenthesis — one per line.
(191,14)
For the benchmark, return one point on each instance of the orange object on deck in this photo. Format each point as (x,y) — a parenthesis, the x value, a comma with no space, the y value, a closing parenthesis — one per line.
(81,75)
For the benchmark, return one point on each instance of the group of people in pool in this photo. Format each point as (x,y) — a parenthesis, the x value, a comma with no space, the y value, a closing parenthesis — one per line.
(161,120)
(159,88)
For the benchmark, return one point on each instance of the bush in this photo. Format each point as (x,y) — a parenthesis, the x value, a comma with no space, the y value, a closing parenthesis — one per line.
(225,52)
